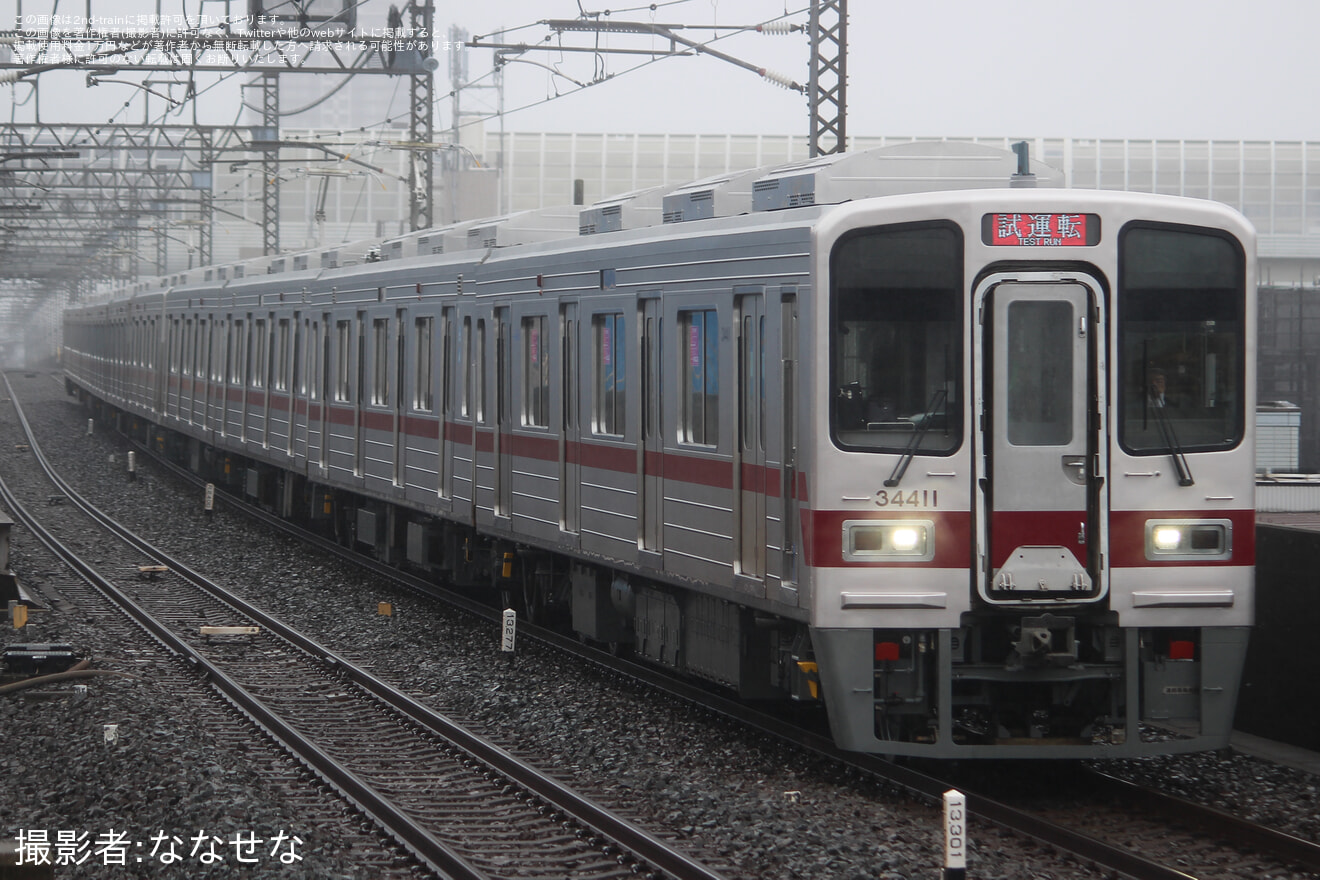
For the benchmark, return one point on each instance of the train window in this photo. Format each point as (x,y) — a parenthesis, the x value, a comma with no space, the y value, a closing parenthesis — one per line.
(239,356)
(219,344)
(259,354)
(1181,338)
(536,373)
(380,378)
(465,387)
(448,326)
(283,356)
(343,373)
(751,382)
(568,368)
(317,359)
(699,408)
(175,366)
(298,382)
(202,352)
(609,400)
(1040,378)
(760,382)
(895,339)
(479,360)
(424,348)
(203,349)
(275,358)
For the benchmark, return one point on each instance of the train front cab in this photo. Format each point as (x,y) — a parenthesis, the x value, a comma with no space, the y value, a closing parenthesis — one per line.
(1018,545)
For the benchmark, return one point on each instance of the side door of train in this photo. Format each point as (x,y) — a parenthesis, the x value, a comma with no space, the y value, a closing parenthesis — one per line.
(1038,360)
(156,334)
(377,419)
(504,395)
(306,333)
(570,424)
(169,364)
(202,369)
(444,381)
(750,449)
(279,395)
(419,435)
(215,374)
(650,450)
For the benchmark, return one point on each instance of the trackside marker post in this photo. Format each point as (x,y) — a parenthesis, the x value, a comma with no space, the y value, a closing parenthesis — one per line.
(509,631)
(209,503)
(955,835)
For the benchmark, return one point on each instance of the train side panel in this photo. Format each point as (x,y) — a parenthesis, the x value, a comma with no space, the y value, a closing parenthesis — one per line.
(903,454)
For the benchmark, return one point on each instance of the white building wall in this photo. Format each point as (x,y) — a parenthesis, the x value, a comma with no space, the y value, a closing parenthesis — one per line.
(1272,183)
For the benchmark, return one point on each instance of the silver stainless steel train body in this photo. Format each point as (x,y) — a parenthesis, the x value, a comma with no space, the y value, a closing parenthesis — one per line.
(974,467)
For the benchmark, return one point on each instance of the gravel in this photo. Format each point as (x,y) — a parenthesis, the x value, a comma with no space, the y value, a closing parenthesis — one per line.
(754,807)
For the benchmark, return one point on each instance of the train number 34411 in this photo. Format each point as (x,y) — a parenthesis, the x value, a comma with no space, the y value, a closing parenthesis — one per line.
(915,498)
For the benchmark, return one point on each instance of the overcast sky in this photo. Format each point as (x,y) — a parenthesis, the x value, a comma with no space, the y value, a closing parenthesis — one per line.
(1192,69)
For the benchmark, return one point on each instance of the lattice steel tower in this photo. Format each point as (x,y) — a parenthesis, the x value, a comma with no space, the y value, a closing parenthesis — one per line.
(827,88)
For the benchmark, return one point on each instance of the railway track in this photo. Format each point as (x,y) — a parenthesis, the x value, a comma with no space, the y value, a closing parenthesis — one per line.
(1250,848)
(1107,844)
(463,806)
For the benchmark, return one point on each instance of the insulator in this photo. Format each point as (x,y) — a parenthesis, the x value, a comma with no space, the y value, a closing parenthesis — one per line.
(782,81)
(776,28)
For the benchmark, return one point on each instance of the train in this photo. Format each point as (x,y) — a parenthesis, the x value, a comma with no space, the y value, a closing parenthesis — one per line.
(917,434)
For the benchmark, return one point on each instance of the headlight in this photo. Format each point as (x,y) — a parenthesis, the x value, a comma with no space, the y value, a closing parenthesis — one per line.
(872,540)
(1188,539)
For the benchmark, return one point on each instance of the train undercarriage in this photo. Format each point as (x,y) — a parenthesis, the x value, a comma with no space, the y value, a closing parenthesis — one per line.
(1070,680)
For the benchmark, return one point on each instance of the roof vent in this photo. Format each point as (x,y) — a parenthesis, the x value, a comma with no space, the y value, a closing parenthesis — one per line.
(634,210)
(775,193)
(606,219)
(524,227)
(481,237)
(699,205)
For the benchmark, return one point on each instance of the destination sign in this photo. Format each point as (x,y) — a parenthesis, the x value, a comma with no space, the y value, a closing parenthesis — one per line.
(1040,230)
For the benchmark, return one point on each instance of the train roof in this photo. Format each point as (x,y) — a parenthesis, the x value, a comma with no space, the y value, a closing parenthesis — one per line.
(760,198)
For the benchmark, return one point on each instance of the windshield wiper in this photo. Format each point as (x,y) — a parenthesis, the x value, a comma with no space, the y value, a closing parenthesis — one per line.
(1171,443)
(936,399)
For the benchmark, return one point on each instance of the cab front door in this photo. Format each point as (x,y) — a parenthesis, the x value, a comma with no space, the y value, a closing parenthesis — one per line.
(1040,365)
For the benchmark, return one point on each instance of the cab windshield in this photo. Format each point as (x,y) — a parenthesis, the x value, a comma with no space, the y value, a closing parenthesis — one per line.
(1181,340)
(896,340)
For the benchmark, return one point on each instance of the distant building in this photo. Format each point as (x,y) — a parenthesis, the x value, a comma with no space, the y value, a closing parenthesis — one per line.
(1278,431)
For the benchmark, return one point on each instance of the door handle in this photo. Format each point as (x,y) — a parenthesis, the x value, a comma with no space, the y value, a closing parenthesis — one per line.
(1074,467)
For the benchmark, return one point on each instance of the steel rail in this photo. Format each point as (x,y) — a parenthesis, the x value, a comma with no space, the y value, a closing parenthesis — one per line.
(641,844)
(430,850)
(1285,847)
(925,787)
